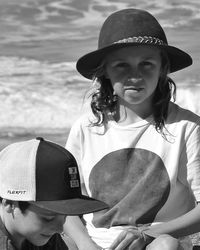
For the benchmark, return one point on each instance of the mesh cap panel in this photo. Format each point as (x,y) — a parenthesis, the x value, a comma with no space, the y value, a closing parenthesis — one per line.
(18,183)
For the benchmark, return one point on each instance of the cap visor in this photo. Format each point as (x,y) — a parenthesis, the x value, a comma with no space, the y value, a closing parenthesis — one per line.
(75,206)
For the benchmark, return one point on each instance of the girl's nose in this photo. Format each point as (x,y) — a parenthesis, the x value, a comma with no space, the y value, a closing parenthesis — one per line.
(134,72)
(134,80)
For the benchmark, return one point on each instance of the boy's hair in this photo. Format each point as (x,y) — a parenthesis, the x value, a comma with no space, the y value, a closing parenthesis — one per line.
(23,205)
(104,101)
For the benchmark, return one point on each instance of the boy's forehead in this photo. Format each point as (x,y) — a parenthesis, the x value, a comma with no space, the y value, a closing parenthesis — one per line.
(34,208)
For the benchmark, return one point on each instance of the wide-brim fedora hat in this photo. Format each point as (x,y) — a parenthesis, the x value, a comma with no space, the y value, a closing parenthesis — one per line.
(131,27)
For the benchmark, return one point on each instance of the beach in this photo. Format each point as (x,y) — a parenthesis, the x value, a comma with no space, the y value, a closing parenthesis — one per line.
(41,92)
(8,139)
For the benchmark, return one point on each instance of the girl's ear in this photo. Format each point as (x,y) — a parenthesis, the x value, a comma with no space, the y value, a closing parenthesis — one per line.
(8,205)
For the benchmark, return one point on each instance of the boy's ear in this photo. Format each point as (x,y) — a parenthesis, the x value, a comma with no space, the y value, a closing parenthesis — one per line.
(8,205)
(106,75)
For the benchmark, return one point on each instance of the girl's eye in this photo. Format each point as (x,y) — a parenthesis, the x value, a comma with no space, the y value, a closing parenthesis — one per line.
(120,65)
(147,64)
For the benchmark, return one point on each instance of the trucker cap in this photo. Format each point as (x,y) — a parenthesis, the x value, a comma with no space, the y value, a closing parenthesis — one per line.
(46,174)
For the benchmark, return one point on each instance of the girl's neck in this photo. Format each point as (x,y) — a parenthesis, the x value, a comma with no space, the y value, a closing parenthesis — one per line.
(128,114)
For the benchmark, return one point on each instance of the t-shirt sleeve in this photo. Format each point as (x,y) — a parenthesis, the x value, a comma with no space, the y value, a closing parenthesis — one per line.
(193,161)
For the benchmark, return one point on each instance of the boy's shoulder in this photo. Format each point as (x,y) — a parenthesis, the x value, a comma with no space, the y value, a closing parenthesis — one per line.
(55,243)
(5,242)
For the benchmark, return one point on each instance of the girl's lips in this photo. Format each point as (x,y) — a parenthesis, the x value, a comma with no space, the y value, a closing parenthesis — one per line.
(134,88)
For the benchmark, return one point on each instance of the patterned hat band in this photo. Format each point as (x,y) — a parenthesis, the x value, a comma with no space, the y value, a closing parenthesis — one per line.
(142,39)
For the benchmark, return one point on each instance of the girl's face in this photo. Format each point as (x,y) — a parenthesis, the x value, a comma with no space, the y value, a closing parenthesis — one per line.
(134,72)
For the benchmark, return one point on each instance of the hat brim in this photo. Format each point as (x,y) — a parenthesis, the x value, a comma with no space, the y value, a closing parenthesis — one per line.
(74,206)
(87,64)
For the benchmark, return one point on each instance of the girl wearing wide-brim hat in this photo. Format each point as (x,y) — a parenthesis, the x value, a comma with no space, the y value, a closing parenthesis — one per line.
(138,151)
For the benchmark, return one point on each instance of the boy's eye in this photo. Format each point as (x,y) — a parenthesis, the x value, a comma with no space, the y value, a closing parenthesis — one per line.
(122,64)
(48,219)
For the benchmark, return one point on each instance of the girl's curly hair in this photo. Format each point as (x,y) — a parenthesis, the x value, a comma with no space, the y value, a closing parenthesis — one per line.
(104,101)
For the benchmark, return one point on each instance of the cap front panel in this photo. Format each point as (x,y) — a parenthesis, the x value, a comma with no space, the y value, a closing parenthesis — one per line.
(17,171)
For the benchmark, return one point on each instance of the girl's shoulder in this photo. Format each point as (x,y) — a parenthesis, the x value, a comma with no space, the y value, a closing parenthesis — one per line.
(85,120)
(86,123)
(178,114)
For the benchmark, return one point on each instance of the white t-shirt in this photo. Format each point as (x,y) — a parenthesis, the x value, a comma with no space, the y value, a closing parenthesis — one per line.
(143,176)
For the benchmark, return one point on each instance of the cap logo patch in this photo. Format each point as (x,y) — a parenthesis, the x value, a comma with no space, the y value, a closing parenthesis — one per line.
(73,170)
(74,181)
(16,192)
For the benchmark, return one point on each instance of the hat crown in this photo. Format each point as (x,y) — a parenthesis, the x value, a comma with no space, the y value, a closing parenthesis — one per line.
(130,23)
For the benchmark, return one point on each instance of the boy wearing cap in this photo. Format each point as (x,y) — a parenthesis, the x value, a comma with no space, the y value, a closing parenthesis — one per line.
(39,187)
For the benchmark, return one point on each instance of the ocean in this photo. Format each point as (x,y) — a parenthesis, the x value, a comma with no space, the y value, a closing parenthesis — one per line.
(41,93)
